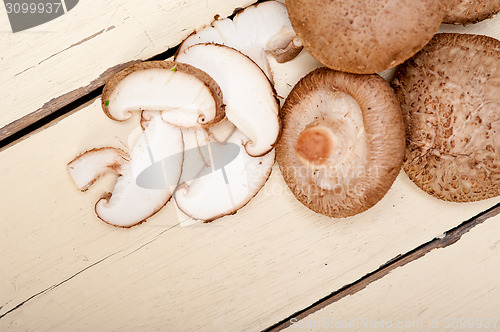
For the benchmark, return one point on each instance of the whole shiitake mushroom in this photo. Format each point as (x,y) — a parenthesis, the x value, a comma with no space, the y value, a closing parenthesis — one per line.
(364,36)
(342,143)
(450,97)
(470,11)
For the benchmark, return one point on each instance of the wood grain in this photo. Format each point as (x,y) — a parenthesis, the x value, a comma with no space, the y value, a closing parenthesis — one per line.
(63,269)
(456,287)
(49,66)
(448,239)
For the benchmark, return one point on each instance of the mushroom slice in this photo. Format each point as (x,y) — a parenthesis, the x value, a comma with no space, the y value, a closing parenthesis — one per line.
(221,131)
(186,96)
(251,104)
(229,186)
(258,30)
(470,11)
(91,165)
(146,116)
(343,142)
(196,158)
(364,36)
(450,97)
(132,200)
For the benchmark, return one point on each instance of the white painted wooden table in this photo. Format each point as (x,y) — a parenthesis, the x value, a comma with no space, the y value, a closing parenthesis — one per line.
(273,263)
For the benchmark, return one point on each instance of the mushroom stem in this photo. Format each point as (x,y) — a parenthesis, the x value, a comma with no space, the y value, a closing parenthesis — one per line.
(343,141)
(314,145)
(286,52)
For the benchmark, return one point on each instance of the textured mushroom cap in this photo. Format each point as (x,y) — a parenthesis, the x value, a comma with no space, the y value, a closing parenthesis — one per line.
(361,118)
(364,36)
(187,96)
(470,11)
(450,97)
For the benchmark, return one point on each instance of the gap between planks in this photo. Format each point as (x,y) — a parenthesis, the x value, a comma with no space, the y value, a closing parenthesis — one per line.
(449,238)
(58,108)
(65,105)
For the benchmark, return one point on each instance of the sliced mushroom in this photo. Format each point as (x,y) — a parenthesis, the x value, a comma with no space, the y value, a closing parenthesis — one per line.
(342,144)
(132,201)
(251,104)
(450,97)
(91,165)
(470,11)
(222,131)
(284,50)
(146,116)
(364,36)
(229,186)
(258,30)
(196,159)
(186,96)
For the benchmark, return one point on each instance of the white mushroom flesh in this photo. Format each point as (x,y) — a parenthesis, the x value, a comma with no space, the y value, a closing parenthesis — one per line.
(131,203)
(215,194)
(185,101)
(195,159)
(248,95)
(88,167)
(256,31)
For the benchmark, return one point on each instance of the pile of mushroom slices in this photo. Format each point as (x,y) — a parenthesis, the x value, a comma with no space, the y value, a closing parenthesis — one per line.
(210,122)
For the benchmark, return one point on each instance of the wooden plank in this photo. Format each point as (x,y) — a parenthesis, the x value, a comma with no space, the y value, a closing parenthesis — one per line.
(450,288)
(49,66)
(447,239)
(64,269)
(61,266)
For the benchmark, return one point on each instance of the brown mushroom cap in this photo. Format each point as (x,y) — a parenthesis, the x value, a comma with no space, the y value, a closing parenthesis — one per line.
(364,36)
(470,11)
(450,97)
(342,143)
(170,68)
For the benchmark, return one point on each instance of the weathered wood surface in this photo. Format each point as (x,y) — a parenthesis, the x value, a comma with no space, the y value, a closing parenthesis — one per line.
(49,66)
(453,287)
(63,269)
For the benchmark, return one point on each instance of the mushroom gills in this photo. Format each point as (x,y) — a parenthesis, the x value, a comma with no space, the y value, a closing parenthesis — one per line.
(343,141)
(256,31)
(249,97)
(132,201)
(333,143)
(186,96)
(224,191)
(91,165)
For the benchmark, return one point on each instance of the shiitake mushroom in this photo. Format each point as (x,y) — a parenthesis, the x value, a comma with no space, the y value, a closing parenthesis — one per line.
(342,142)
(364,36)
(450,97)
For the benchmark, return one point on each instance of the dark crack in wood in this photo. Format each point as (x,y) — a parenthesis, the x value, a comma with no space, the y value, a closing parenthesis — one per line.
(75,44)
(451,237)
(48,289)
(56,107)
